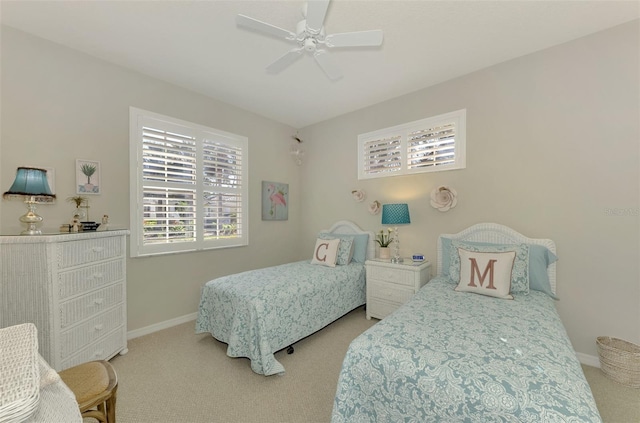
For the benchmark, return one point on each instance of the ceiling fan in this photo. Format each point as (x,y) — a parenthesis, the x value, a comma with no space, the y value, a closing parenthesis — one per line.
(310,37)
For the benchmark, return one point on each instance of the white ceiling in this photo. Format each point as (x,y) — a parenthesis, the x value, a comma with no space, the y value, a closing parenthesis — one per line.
(197,45)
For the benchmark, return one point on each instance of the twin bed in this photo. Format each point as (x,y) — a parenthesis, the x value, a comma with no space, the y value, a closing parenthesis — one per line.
(260,312)
(445,355)
(449,356)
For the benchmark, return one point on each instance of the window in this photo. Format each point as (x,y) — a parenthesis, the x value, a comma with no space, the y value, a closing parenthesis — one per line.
(427,145)
(188,186)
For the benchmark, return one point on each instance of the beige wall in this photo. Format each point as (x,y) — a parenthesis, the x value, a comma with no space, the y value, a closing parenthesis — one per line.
(552,144)
(59,105)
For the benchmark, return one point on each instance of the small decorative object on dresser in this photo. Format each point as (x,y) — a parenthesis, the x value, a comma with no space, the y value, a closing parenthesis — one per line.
(389,285)
(73,289)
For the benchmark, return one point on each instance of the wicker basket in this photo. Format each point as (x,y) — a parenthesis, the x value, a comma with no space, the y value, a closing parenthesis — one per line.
(620,360)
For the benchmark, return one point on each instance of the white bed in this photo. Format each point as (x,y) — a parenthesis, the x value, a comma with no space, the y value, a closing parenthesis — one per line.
(458,356)
(263,311)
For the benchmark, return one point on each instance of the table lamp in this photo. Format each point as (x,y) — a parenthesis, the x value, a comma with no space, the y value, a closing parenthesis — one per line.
(395,214)
(30,183)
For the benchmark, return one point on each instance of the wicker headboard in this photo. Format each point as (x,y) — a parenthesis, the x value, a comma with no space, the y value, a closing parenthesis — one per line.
(347,227)
(499,234)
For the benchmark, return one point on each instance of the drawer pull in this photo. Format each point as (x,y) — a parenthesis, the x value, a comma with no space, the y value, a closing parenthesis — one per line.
(99,327)
(97,276)
(98,301)
(97,249)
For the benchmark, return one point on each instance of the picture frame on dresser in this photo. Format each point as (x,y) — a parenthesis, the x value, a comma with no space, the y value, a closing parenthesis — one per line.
(73,288)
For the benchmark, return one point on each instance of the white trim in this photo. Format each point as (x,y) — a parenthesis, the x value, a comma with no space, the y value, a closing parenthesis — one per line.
(588,360)
(138,118)
(401,133)
(147,330)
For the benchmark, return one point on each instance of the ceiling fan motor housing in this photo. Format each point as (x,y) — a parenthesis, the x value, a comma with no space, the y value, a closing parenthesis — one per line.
(307,38)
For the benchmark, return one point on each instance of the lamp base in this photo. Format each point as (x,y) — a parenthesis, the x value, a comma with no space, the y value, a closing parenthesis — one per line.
(31,231)
(397,260)
(31,218)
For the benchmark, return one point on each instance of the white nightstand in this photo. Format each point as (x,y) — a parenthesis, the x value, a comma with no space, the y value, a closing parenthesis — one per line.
(389,285)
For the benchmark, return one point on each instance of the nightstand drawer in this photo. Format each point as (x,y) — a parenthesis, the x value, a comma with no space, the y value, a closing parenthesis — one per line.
(380,309)
(389,292)
(397,276)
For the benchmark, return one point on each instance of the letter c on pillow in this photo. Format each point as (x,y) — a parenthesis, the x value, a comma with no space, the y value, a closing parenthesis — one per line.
(324,257)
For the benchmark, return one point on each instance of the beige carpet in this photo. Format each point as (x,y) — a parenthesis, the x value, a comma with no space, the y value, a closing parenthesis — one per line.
(177,376)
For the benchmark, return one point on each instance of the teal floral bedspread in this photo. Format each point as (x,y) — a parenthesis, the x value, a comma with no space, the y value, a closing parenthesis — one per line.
(263,311)
(448,356)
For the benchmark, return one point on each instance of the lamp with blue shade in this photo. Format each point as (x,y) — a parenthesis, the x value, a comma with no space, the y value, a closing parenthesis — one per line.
(30,183)
(396,214)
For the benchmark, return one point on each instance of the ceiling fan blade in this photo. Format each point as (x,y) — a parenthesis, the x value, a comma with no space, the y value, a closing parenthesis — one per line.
(284,61)
(316,11)
(355,39)
(328,65)
(264,27)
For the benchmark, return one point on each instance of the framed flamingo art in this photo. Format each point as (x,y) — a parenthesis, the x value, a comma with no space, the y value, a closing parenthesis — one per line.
(275,201)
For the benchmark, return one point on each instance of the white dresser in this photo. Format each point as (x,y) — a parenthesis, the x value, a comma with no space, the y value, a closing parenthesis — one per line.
(389,285)
(72,287)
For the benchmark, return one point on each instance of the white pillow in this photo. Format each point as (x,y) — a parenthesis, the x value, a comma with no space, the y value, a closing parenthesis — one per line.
(486,273)
(325,252)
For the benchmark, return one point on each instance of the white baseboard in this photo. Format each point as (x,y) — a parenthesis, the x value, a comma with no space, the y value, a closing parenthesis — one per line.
(136,333)
(589,360)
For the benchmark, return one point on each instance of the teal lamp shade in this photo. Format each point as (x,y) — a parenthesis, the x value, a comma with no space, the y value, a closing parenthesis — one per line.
(30,181)
(395,214)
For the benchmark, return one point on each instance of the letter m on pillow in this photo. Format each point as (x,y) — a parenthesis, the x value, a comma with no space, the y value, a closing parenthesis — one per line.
(475,270)
(486,273)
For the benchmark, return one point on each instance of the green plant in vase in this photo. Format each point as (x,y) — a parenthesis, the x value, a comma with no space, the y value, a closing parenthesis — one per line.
(80,202)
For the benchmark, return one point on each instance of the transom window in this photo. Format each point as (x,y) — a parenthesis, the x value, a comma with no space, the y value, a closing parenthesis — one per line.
(188,186)
(427,145)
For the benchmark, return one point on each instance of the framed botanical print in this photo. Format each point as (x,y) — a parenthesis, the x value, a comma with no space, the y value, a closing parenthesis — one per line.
(87,177)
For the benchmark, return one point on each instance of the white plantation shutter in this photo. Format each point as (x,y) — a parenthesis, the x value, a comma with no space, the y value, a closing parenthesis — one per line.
(188,186)
(431,147)
(382,155)
(223,183)
(427,145)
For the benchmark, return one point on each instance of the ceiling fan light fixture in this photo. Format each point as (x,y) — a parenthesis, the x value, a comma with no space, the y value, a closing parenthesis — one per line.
(309,44)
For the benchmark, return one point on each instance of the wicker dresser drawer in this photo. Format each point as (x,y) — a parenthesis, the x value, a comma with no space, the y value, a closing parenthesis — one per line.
(88,251)
(78,337)
(78,281)
(106,348)
(399,276)
(75,310)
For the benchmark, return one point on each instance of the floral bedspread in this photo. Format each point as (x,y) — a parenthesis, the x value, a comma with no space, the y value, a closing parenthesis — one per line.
(263,311)
(448,356)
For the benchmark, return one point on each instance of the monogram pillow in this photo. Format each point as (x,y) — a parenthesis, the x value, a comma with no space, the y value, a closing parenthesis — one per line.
(520,273)
(486,273)
(325,252)
(345,250)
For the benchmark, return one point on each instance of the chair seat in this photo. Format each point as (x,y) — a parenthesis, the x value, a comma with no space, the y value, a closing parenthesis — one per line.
(94,384)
